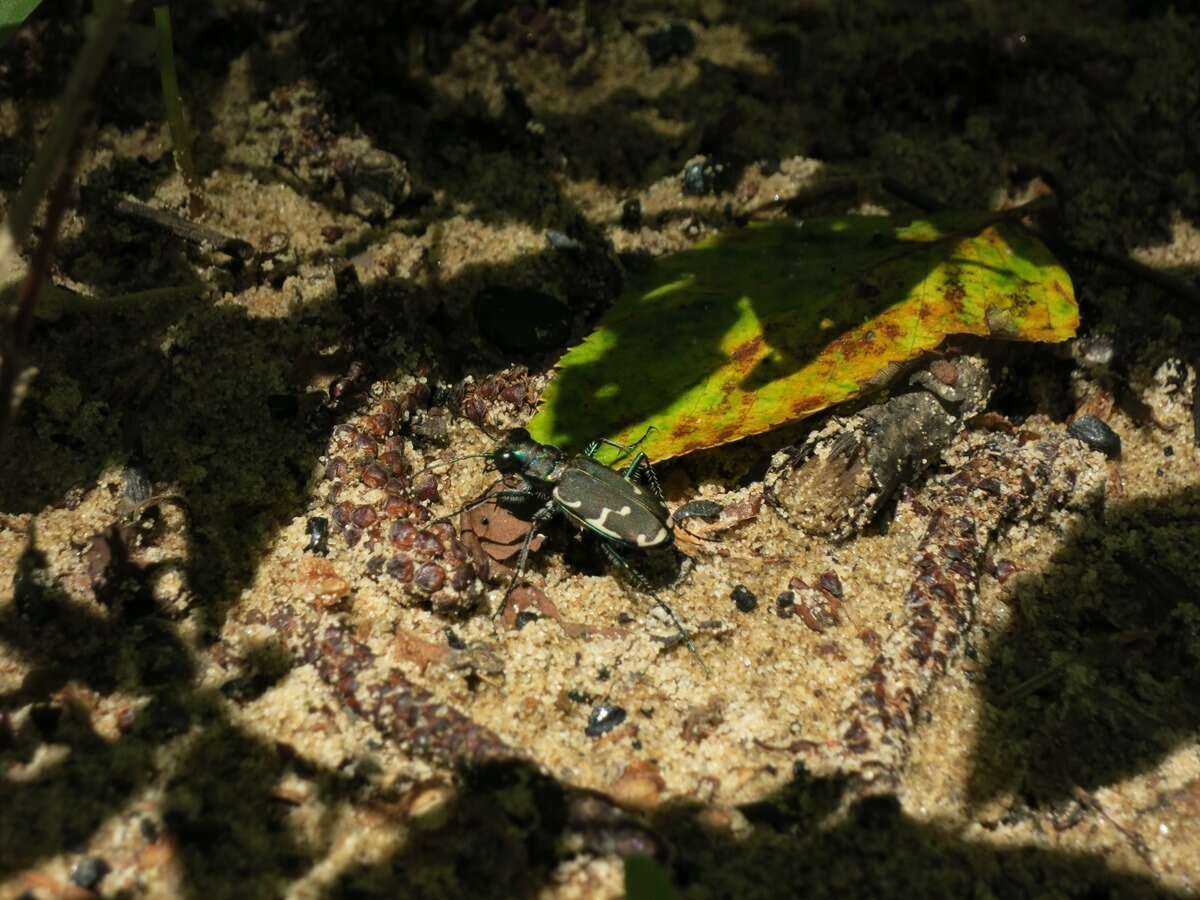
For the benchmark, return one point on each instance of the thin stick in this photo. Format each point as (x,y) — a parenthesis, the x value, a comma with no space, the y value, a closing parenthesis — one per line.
(184,228)
(14,342)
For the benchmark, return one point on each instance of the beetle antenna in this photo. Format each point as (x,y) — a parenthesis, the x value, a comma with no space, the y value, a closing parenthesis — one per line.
(450,462)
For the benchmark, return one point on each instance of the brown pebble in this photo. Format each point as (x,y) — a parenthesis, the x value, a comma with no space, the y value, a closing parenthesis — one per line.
(393,460)
(403,533)
(379,425)
(425,487)
(343,513)
(336,468)
(400,567)
(830,583)
(514,394)
(427,544)
(1005,569)
(364,516)
(463,576)
(944,371)
(430,577)
(375,475)
(396,507)
(444,531)
(640,785)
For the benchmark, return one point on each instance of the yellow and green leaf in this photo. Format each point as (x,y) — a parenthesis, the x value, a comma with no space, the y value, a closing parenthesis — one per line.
(771,323)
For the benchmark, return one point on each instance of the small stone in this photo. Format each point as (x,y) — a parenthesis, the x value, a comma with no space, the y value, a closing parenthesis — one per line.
(136,487)
(743,598)
(631,213)
(425,488)
(603,719)
(89,872)
(1096,434)
(453,640)
(427,543)
(400,567)
(393,460)
(695,182)
(375,475)
(343,512)
(525,617)
(364,516)
(430,577)
(403,534)
(641,785)
(317,529)
(670,41)
(785,605)
(562,242)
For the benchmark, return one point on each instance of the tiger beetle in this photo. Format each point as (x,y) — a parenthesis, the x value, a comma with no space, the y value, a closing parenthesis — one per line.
(625,508)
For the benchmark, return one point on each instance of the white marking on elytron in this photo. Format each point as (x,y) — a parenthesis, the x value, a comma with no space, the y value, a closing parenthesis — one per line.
(598,522)
(637,490)
(654,541)
(566,503)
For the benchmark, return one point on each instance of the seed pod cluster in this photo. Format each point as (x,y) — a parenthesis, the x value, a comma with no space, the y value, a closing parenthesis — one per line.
(376,506)
(512,389)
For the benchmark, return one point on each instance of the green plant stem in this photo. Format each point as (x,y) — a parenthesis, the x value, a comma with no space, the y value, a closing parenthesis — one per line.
(181,133)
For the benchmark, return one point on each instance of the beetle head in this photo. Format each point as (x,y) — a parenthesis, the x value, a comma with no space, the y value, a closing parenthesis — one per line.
(515,452)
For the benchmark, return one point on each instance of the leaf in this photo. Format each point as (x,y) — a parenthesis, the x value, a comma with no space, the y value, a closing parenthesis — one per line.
(771,323)
(12,14)
(647,879)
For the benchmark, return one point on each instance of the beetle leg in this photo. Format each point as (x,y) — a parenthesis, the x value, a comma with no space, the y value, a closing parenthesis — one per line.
(541,517)
(643,585)
(641,468)
(626,449)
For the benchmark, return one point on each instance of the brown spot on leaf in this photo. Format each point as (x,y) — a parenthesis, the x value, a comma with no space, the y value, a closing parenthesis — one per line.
(746,351)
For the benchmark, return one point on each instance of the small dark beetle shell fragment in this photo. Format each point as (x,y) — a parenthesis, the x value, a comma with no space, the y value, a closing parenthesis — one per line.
(1096,434)
(525,617)
(317,529)
(697,509)
(604,718)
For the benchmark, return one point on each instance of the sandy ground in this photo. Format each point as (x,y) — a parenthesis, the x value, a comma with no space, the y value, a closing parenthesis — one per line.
(163,707)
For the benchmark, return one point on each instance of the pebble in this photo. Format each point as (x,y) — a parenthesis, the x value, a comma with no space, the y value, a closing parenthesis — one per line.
(562,242)
(697,181)
(430,577)
(135,485)
(1096,434)
(90,872)
(631,213)
(603,719)
(743,598)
